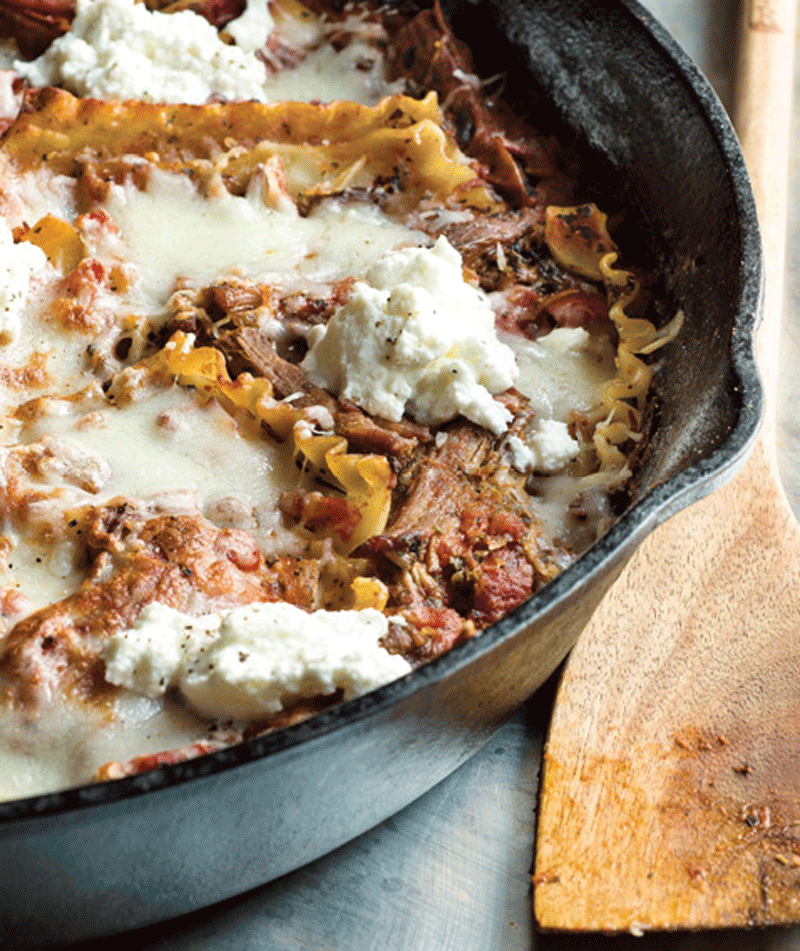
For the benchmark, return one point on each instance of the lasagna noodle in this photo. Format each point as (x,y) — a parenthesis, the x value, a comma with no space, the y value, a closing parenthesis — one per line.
(579,240)
(323,148)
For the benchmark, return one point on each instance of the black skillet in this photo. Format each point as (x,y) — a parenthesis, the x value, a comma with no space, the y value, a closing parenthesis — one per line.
(105,858)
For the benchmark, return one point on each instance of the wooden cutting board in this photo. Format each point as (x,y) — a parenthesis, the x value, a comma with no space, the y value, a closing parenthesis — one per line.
(670,793)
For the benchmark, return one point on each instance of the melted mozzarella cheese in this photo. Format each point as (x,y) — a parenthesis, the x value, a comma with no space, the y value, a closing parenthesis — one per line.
(187,456)
(18,265)
(354,73)
(180,445)
(66,743)
(173,232)
(24,200)
(251,30)
(565,370)
(27,197)
(36,360)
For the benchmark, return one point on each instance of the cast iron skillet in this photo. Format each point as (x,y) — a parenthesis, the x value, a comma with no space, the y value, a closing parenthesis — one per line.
(109,857)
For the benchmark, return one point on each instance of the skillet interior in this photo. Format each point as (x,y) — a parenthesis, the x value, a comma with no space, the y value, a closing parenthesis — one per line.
(109,857)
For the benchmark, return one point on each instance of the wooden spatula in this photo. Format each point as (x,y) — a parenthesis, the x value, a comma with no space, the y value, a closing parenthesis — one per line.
(671,785)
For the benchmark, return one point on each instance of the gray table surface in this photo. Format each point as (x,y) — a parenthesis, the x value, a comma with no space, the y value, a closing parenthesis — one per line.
(452,871)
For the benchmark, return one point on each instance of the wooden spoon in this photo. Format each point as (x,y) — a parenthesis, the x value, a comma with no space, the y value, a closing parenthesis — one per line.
(671,785)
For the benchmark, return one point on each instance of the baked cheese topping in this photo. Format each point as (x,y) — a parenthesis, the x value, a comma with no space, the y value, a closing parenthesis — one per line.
(353,73)
(251,30)
(563,372)
(170,230)
(295,397)
(21,263)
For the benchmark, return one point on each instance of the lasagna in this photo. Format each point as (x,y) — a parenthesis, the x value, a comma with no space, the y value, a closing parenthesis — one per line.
(314,366)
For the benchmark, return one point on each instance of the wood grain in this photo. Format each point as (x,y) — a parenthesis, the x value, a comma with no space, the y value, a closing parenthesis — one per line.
(671,786)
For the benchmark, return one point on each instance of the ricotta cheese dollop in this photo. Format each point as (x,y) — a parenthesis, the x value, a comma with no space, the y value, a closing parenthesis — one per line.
(252,661)
(416,337)
(118,49)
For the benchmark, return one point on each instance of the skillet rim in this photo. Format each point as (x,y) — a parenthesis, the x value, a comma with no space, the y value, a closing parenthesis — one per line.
(656,505)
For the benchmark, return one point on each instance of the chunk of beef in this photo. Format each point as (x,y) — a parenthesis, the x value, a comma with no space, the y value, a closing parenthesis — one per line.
(34,24)
(249,349)
(463,541)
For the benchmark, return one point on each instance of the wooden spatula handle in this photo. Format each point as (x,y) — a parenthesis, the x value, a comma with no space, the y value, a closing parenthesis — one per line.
(670,793)
(762,116)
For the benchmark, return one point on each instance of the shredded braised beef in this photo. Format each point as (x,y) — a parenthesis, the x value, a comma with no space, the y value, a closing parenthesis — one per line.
(462,541)
(514,157)
(249,349)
